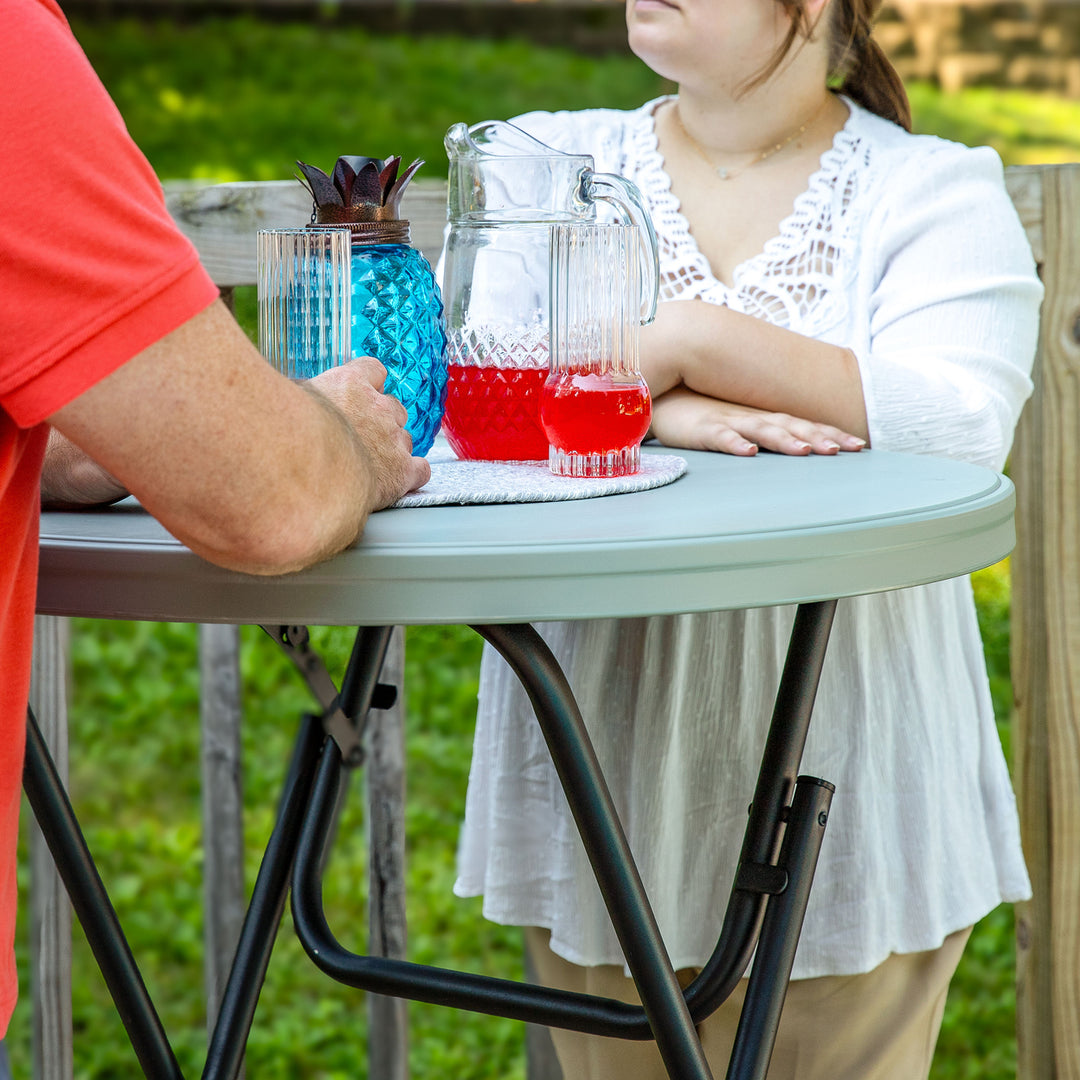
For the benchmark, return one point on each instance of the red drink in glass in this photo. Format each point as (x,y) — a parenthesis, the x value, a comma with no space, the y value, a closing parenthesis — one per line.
(493,413)
(595,422)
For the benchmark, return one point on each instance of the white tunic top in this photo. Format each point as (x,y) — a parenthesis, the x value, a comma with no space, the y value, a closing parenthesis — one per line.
(905,249)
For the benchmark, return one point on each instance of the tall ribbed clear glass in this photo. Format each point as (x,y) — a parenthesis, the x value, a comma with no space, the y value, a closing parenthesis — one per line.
(595,406)
(305,304)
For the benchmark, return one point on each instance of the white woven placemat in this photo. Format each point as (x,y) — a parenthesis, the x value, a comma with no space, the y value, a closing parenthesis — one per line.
(459,483)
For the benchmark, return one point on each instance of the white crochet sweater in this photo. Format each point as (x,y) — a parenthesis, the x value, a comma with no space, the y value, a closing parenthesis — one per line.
(907,250)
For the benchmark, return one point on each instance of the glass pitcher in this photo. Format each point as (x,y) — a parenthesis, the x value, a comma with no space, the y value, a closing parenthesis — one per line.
(506,191)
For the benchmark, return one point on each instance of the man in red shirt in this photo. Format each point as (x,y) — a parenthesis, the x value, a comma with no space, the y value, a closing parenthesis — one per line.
(112,333)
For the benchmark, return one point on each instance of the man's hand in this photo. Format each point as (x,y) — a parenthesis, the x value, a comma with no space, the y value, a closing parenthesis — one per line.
(250,470)
(695,422)
(378,424)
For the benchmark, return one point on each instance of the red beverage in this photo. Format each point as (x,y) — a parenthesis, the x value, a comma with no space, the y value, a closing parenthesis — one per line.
(493,414)
(594,414)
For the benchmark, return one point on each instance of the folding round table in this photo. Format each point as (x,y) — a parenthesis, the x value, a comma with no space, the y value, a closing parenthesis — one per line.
(731,533)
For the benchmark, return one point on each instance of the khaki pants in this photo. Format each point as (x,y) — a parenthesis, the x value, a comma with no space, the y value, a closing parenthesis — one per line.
(879,1026)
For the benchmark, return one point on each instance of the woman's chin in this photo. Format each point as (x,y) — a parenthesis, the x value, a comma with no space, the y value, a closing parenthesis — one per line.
(648,40)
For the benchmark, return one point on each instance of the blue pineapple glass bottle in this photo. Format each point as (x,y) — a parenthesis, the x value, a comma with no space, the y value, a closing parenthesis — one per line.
(397,316)
(396,309)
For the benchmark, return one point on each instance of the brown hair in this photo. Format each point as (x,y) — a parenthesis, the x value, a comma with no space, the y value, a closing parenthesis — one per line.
(858,66)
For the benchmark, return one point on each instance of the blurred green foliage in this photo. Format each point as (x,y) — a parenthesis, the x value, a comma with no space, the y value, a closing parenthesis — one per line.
(239,99)
(1025,128)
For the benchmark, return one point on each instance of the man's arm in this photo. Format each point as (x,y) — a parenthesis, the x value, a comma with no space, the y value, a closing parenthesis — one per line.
(250,470)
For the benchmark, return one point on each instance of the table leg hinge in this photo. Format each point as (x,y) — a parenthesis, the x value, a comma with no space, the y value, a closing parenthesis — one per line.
(761,878)
(348,737)
(347,733)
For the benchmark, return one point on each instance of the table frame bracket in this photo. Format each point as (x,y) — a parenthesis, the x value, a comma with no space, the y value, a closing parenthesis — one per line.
(761,878)
(346,730)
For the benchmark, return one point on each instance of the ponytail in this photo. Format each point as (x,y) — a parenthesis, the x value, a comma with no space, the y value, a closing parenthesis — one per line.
(858,64)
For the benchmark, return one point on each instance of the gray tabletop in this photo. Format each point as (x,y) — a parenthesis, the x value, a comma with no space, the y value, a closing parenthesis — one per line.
(733,532)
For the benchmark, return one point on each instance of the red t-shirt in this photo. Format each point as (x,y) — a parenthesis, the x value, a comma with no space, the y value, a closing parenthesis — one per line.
(92,271)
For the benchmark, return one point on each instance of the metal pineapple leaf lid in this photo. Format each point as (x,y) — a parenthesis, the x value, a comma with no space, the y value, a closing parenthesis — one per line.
(360,189)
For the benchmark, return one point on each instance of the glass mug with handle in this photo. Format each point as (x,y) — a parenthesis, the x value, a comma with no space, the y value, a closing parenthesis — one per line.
(595,407)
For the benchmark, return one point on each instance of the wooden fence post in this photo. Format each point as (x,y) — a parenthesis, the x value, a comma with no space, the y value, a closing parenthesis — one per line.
(384,773)
(50,912)
(222,807)
(1046,639)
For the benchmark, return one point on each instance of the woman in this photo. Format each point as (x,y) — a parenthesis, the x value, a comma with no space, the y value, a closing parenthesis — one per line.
(830,281)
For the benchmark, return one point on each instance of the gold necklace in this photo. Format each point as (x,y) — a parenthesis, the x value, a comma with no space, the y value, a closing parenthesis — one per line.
(729,174)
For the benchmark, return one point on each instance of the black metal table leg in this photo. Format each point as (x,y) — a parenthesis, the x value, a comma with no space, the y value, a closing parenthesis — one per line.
(52,808)
(760,1016)
(606,845)
(762,883)
(764,828)
(225,1054)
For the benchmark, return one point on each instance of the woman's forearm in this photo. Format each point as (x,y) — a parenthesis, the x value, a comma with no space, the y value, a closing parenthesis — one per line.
(725,354)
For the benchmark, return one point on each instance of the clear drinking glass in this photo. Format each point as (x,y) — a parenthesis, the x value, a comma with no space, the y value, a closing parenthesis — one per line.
(595,406)
(304,299)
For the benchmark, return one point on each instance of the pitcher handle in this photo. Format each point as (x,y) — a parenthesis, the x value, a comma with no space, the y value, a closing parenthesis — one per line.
(626,198)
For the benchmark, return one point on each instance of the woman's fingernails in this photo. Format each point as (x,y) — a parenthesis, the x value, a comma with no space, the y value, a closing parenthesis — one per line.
(855,441)
(830,445)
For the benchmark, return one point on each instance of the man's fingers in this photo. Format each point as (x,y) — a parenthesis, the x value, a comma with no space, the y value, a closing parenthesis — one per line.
(401,415)
(421,473)
(378,421)
(374,369)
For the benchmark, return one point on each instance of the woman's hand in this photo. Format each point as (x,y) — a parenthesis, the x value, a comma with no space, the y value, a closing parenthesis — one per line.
(694,422)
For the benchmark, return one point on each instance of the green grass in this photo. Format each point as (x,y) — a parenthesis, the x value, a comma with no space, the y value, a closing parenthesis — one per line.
(233,98)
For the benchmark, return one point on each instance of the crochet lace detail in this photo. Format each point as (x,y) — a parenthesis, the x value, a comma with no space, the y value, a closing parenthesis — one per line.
(799,280)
